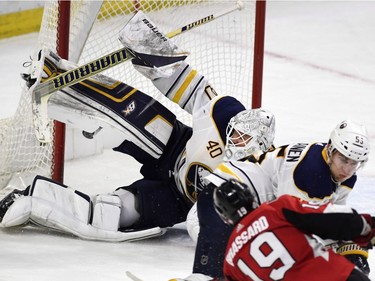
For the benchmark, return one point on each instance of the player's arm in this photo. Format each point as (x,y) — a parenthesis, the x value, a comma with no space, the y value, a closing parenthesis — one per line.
(337,226)
(159,59)
(340,226)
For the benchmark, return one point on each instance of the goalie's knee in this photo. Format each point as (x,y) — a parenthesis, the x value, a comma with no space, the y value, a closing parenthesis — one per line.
(106,212)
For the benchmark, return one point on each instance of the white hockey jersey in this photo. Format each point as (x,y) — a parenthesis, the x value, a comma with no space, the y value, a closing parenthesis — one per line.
(299,169)
(211,114)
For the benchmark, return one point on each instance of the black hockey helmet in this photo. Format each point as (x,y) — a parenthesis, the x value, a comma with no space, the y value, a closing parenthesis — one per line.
(233,200)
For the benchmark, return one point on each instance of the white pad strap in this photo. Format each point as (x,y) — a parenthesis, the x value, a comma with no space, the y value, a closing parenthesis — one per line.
(107,209)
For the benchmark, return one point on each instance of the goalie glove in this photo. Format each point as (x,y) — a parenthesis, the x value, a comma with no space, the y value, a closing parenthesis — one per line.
(156,56)
(355,254)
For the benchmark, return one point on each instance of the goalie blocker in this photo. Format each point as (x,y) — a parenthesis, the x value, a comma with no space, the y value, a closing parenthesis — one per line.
(59,207)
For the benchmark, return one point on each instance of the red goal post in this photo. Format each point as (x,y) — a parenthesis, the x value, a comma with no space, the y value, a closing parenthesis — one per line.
(228,51)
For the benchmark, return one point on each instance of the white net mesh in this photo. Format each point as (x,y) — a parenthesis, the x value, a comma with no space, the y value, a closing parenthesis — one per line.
(222,50)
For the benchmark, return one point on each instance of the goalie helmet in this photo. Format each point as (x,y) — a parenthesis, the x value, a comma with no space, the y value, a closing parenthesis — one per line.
(249,132)
(351,140)
(233,200)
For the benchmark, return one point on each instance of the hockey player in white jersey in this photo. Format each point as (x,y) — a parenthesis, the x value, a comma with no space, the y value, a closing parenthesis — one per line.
(175,158)
(317,172)
(312,171)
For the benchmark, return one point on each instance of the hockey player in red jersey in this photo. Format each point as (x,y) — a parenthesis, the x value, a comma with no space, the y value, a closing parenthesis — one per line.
(274,241)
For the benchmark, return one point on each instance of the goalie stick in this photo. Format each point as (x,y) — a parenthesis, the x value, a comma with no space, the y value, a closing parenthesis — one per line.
(43,91)
(91,135)
(132,276)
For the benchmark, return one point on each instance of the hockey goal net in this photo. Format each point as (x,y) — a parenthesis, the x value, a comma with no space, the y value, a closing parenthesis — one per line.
(223,50)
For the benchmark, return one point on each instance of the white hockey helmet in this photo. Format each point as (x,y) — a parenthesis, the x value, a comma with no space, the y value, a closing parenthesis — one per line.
(351,140)
(255,132)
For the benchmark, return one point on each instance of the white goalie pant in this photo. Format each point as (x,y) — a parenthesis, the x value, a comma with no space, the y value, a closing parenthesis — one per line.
(61,208)
(192,223)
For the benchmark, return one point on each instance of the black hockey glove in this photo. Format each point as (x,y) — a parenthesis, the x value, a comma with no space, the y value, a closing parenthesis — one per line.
(355,254)
(29,81)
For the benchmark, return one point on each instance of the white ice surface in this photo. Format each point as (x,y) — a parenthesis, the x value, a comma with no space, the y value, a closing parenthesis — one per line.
(319,69)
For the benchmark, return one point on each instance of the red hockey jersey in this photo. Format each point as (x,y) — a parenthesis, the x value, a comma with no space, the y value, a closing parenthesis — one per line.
(265,246)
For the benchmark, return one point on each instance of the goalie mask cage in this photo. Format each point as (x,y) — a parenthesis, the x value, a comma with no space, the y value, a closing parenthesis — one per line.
(227,50)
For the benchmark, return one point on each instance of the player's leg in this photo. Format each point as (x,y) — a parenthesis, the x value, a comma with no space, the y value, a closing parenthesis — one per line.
(119,109)
(160,60)
(59,207)
(158,203)
(162,168)
(212,238)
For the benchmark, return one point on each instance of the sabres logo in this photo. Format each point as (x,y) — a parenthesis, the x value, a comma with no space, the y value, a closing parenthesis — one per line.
(129,109)
(195,179)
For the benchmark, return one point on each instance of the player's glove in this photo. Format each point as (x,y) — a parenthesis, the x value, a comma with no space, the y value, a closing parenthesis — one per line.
(355,254)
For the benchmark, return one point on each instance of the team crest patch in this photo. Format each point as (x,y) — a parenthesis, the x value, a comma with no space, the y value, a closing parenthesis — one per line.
(129,109)
(195,179)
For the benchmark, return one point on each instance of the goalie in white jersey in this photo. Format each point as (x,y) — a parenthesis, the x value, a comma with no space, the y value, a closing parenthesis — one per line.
(175,157)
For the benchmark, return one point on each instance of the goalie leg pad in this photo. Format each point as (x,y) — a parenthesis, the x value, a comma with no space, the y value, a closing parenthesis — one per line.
(54,204)
(18,213)
(47,204)
(107,210)
(118,108)
(59,207)
(105,102)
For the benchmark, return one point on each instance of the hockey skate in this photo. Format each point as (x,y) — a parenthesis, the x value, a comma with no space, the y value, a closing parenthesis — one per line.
(156,56)
(8,196)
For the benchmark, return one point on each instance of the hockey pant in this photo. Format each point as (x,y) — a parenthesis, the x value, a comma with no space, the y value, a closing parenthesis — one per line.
(159,201)
(119,109)
(61,208)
